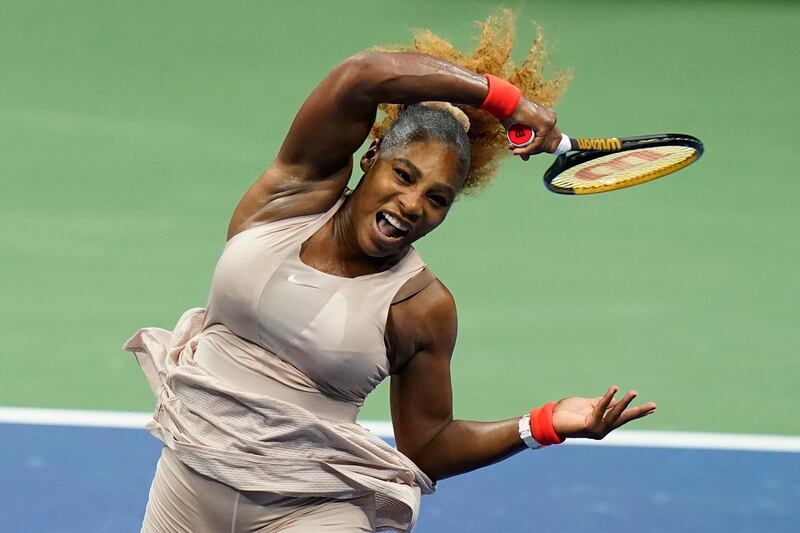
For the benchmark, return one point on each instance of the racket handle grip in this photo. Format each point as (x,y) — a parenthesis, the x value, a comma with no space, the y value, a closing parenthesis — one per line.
(521,135)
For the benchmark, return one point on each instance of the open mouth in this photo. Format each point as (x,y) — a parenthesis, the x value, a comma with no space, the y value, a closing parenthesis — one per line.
(390,227)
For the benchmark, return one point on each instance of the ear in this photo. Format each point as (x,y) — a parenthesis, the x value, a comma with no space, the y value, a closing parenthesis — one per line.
(368,159)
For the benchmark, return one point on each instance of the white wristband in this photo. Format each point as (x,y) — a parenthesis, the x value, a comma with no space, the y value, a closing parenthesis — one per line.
(524,427)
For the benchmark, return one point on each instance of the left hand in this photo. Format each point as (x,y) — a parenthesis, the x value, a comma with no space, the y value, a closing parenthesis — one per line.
(594,418)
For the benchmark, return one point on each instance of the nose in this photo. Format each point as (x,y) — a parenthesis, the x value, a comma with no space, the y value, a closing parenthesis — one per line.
(411,205)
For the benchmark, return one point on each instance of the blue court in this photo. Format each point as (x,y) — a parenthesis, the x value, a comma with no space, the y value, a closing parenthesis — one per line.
(90,480)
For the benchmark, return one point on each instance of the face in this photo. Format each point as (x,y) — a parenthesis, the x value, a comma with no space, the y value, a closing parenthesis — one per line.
(404,195)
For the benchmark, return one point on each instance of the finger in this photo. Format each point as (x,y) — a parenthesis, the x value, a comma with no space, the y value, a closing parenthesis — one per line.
(602,405)
(517,150)
(555,139)
(538,142)
(635,413)
(548,140)
(543,143)
(532,149)
(546,122)
(549,144)
(612,416)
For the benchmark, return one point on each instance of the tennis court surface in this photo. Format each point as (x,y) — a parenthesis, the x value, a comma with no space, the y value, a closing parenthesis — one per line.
(78,478)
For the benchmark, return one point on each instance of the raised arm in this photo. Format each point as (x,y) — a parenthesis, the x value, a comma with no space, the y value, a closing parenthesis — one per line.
(421,402)
(338,115)
(314,162)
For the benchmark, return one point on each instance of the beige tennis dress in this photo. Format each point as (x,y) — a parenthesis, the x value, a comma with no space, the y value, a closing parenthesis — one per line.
(261,391)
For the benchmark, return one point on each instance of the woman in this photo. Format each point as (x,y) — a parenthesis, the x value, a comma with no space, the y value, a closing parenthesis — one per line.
(319,295)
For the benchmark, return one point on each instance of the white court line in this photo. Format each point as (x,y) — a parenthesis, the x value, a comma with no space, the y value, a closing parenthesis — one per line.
(645,439)
(72,417)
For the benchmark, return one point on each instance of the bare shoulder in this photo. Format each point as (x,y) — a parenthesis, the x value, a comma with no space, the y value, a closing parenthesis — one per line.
(284,192)
(433,307)
(426,322)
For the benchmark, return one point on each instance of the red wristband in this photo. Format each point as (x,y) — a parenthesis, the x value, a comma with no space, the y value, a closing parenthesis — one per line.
(502,98)
(542,425)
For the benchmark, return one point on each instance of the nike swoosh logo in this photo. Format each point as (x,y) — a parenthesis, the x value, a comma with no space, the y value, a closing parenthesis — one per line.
(294,281)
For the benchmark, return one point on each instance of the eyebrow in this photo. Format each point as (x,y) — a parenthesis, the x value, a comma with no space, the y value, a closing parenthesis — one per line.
(417,173)
(414,169)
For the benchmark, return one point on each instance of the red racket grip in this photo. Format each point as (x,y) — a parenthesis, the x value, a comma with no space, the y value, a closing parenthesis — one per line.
(520,135)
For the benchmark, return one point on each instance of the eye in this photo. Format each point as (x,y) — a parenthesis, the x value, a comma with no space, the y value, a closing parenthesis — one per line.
(402,174)
(440,201)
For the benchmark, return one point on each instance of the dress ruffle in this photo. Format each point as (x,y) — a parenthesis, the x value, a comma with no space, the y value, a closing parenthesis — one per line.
(254,442)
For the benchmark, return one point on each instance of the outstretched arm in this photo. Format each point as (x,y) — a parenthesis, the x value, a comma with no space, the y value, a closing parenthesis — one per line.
(421,402)
(315,159)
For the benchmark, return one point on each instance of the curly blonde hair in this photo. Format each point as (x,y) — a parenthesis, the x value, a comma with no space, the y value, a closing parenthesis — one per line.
(492,55)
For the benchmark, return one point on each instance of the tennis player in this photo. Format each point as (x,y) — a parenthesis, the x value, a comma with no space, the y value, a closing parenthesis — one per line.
(319,295)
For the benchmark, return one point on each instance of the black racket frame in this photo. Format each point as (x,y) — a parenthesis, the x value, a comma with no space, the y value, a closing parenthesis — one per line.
(573,158)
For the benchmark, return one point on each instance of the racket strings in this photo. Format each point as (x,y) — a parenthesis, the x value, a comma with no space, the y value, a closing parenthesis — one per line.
(623,169)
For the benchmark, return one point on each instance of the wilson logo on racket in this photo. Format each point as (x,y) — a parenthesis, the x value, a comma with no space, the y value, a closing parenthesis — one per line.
(605,145)
(619,163)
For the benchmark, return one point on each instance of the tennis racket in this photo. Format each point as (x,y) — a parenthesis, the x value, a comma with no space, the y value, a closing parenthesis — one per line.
(601,165)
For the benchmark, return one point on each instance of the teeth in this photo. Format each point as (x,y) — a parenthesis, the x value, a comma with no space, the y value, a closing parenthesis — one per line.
(394,222)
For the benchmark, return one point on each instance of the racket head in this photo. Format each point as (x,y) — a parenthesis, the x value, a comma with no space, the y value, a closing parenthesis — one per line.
(639,160)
